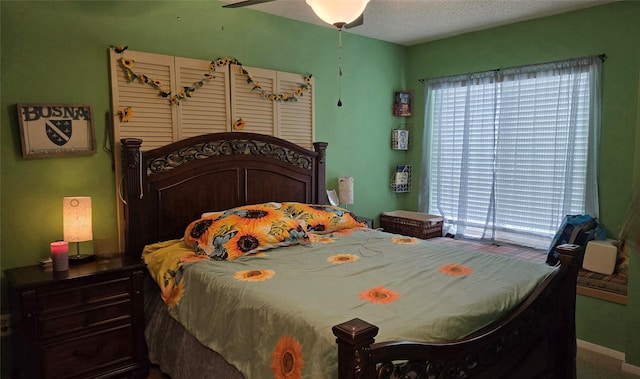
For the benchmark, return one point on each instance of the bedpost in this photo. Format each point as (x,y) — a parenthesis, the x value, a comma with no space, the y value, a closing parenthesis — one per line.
(132,175)
(321,149)
(354,339)
(570,261)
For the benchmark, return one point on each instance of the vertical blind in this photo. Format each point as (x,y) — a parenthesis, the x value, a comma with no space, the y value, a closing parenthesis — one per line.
(508,153)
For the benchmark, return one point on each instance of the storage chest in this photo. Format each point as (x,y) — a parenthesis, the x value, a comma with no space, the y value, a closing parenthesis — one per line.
(413,224)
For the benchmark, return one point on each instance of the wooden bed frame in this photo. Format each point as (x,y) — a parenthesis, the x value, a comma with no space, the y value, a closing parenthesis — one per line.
(167,188)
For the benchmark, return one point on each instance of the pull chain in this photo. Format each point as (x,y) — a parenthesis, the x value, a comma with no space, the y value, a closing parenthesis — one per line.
(339,64)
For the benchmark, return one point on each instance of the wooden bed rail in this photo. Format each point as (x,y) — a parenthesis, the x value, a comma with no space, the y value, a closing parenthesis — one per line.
(537,340)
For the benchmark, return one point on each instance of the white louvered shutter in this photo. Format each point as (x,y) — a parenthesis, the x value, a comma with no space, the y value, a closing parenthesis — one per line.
(153,116)
(247,104)
(154,119)
(207,110)
(295,118)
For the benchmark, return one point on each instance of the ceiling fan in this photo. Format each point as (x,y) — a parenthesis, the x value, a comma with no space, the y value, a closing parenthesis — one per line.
(342,14)
(246,3)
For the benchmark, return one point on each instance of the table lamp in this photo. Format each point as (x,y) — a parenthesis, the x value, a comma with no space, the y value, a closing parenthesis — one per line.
(77,225)
(345,189)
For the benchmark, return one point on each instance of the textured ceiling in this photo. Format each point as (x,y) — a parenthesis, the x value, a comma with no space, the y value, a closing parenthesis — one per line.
(409,22)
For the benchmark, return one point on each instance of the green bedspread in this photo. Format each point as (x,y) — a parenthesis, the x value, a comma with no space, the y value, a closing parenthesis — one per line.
(272,313)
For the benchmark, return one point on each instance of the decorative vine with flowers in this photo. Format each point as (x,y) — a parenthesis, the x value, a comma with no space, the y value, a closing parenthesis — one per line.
(187,91)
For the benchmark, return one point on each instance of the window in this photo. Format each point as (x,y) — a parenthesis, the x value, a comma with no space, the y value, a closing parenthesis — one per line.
(509,152)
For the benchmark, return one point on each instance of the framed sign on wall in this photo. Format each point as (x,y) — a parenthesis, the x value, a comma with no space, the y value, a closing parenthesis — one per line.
(56,129)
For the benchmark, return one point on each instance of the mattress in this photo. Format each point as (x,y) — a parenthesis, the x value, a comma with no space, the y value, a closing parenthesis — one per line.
(255,308)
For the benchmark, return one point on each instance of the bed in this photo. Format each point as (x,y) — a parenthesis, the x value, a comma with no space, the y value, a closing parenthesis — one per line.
(382,335)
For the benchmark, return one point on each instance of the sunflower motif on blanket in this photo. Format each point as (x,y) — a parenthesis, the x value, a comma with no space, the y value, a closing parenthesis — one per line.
(254,214)
(243,231)
(171,295)
(254,275)
(166,261)
(454,269)
(404,240)
(342,258)
(321,238)
(286,359)
(322,219)
(380,295)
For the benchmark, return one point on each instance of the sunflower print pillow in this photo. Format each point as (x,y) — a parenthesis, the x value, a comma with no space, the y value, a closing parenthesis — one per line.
(322,219)
(244,230)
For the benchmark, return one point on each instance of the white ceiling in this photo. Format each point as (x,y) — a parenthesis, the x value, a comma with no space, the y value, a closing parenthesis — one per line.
(409,22)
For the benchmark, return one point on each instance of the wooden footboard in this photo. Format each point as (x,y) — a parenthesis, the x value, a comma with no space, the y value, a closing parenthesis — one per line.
(537,340)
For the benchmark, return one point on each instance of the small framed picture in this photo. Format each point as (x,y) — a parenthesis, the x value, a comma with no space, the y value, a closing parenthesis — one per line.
(56,129)
(402,103)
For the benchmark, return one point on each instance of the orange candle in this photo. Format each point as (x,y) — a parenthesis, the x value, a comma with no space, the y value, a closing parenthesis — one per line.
(60,255)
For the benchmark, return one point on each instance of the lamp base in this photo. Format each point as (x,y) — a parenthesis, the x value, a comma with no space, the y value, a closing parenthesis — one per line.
(77,259)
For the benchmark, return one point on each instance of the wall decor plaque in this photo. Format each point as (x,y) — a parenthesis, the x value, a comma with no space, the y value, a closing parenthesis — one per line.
(402,103)
(56,129)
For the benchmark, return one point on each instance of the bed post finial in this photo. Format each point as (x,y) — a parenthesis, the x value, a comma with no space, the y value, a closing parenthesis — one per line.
(132,173)
(354,338)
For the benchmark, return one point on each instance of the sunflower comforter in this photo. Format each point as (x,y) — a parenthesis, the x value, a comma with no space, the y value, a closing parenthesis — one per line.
(269,312)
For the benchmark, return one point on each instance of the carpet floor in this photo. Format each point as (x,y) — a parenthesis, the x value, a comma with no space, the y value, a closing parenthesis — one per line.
(592,365)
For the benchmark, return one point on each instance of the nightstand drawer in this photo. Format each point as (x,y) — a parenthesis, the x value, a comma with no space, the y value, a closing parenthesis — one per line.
(78,357)
(83,295)
(73,322)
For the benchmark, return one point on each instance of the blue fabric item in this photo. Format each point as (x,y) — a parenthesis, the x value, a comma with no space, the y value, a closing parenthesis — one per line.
(577,230)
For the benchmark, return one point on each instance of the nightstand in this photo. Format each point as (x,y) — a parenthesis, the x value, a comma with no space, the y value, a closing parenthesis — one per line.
(87,322)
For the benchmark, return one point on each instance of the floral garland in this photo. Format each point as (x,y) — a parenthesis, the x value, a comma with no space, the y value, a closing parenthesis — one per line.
(187,91)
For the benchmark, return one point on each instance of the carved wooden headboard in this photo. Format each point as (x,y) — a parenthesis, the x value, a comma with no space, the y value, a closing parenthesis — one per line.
(168,187)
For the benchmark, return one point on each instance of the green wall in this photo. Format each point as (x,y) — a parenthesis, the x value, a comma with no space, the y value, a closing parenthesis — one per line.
(633,318)
(612,29)
(56,51)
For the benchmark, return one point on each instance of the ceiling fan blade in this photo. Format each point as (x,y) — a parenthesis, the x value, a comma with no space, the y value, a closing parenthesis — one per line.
(357,22)
(245,3)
